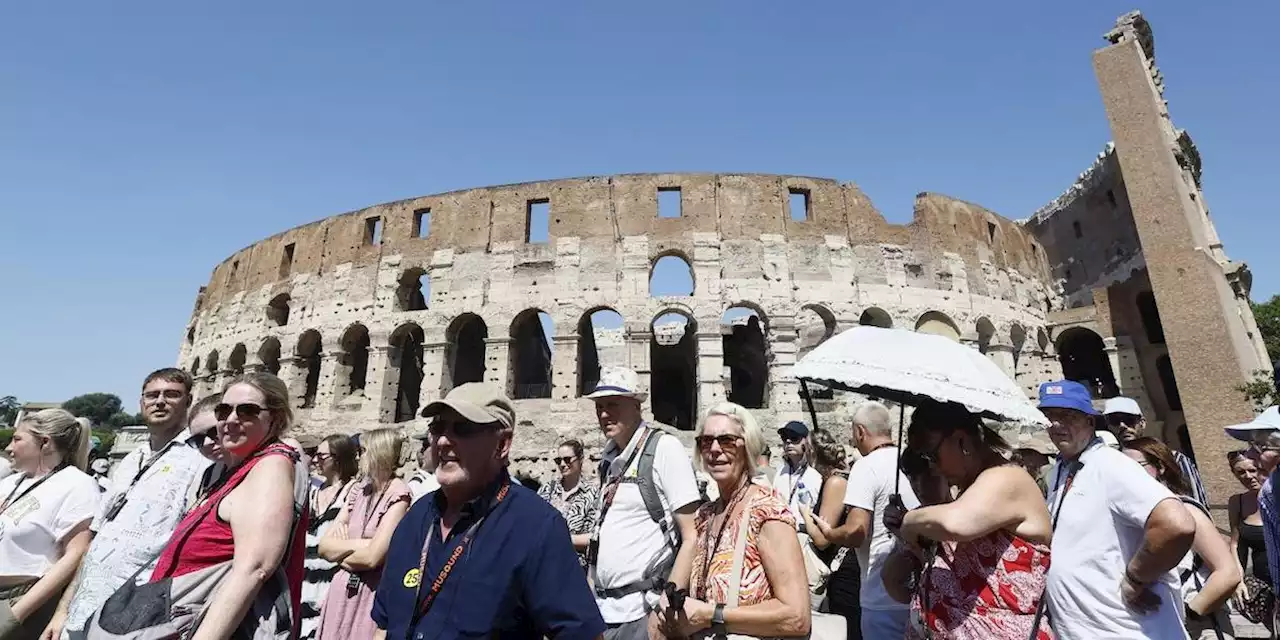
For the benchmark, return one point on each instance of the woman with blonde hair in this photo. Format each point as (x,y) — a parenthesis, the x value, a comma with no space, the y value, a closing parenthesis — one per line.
(46,506)
(358,540)
(260,486)
(749,527)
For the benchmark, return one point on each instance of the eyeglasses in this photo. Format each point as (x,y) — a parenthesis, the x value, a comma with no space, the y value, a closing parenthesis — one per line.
(169,394)
(792,438)
(321,457)
(246,411)
(726,441)
(199,440)
(462,429)
(565,459)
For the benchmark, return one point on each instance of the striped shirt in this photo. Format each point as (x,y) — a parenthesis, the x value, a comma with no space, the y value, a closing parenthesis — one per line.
(1192,475)
(1271,528)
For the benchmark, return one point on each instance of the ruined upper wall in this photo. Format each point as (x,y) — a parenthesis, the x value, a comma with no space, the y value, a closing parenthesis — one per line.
(738,208)
(1088,232)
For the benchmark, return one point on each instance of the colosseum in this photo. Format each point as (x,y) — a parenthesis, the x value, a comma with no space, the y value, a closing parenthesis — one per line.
(711,286)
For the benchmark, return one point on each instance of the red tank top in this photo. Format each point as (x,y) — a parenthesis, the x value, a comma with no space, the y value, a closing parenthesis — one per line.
(203,540)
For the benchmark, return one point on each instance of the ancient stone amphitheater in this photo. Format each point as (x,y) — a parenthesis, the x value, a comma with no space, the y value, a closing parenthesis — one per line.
(371,314)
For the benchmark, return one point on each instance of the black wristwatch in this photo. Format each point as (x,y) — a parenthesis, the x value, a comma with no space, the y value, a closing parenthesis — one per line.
(717,622)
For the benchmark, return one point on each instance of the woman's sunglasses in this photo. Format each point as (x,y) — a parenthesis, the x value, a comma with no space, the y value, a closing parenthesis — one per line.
(565,460)
(726,441)
(246,411)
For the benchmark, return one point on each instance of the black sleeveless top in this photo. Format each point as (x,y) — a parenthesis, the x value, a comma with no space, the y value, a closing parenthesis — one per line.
(1253,547)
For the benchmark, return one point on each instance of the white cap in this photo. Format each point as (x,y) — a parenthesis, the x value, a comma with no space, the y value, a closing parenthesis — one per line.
(1268,420)
(1108,439)
(1120,404)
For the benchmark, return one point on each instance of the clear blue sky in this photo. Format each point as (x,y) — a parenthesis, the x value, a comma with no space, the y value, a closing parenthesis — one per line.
(141,143)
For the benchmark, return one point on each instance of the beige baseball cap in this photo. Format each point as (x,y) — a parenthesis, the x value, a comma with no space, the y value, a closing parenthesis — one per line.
(478,402)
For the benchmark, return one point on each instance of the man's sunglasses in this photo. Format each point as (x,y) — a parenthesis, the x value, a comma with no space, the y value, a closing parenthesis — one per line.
(565,459)
(199,440)
(462,430)
(246,411)
(726,441)
(1117,419)
(792,438)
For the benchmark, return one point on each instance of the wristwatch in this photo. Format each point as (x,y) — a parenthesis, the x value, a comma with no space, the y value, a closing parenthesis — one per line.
(717,621)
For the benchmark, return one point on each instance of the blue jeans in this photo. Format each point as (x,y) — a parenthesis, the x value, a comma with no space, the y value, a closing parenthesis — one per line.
(884,624)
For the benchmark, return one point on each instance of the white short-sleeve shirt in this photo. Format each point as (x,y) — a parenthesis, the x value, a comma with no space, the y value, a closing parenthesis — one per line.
(630,541)
(871,483)
(1101,525)
(35,524)
(799,487)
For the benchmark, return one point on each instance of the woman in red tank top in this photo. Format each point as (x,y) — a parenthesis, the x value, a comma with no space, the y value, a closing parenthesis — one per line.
(245,516)
(986,573)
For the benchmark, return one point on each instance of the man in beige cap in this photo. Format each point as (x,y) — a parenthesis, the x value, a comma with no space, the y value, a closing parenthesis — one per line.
(482,555)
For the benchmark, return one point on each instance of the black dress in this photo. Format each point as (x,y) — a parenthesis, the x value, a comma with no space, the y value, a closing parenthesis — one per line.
(845,584)
(1253,546)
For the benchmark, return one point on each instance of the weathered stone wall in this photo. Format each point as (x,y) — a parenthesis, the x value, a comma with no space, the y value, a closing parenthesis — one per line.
(805,279)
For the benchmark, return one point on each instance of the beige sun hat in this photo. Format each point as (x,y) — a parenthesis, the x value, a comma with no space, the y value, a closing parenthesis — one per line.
(478,402)
(618,381)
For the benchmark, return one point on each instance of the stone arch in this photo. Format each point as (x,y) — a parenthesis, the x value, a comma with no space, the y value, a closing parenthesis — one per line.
(939,324)
(876,317)
(269,356)
(671,274)
(1150,315)
(743,330)
(211,362)
(238,356)
(815,324)
(530,355)
(308,354)
(673,364)
(278,310)
(1168,382)
(986,332)
(1083,356)
(601,343)
(195,367)
(464,352)
(353,362)
(405,359)
(413,290)
(1017,338)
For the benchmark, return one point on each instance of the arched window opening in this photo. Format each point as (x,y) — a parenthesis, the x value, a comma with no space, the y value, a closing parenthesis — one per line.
(673,362)
(236,362)
(414,290)
(671,276)
(406,358)
(938,324)
(278,310)
(1084,359)
(531,355)
(211,363)
(464,351)
(986,331)
(308,353)
(354,362)
(1164,368)
(746,357)
(1150,315)
(195,367)
(601,343)
(875,317)
(1018,338)
(814,325)
(269,354)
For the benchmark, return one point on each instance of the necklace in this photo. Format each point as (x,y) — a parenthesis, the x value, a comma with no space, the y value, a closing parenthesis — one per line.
(711,549)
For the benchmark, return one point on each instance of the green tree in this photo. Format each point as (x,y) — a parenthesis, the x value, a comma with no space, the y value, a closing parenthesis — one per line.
(98,407)
(1268,316)
(1261,390)
(121,419)
(8,410)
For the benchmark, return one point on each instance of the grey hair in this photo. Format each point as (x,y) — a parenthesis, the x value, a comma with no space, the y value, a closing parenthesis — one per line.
(69,434)
(875,417)
(751,434)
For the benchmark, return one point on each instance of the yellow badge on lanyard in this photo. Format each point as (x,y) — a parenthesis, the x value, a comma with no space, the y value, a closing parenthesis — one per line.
(413,578)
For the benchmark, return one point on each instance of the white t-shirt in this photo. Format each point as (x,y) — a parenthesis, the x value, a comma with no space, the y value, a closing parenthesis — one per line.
(798,487)
(870,486)
(1101,525)
(630,541)
(5,468)
(33,526)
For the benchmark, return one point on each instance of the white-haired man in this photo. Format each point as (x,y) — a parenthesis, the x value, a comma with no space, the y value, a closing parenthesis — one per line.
(647,502)
(873,480)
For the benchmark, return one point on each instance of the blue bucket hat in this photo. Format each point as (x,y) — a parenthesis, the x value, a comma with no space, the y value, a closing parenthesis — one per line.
(1066,394)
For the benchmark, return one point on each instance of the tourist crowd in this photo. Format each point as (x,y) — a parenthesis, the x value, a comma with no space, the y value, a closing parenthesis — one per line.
(218,525)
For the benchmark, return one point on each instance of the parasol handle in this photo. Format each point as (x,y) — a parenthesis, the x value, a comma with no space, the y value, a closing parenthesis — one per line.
(808,400)
(902,417)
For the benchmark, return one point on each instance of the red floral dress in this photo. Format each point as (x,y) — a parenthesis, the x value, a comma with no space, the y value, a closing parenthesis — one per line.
(984,589)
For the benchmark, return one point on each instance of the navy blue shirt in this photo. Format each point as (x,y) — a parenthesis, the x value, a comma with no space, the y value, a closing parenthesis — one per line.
(519,577)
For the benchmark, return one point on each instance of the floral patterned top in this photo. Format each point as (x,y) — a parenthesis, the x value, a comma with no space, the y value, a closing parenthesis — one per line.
(984,589)
(764,504)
